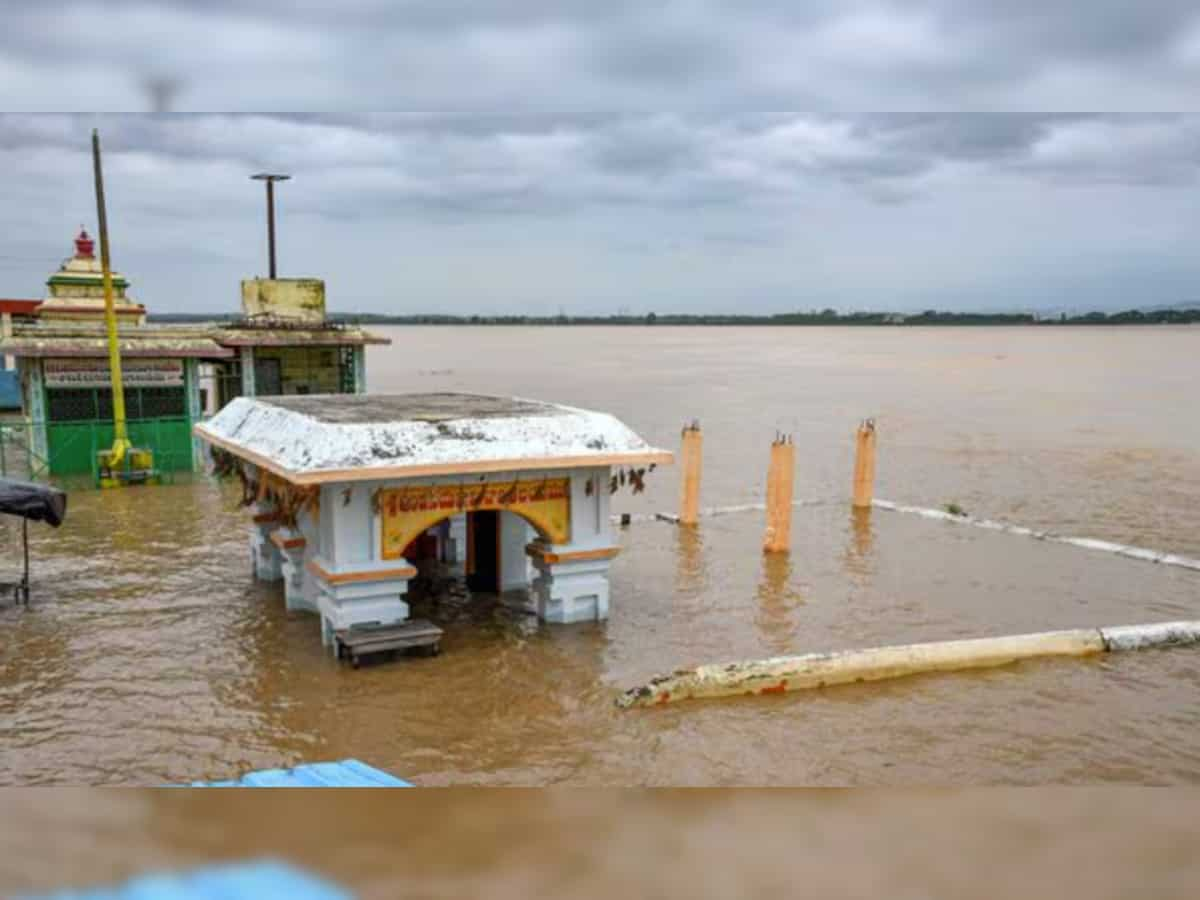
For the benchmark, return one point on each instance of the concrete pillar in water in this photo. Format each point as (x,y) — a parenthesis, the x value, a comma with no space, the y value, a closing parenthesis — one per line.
(351,583)
(515,535)
(864,465)
(367,594)
(264,555)
(571,585)
(691,454)
(570,581)
(778,537)
(455,552)
(291,544)
(246,359)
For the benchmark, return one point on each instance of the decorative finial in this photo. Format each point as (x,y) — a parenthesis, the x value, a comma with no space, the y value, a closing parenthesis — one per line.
(85,247)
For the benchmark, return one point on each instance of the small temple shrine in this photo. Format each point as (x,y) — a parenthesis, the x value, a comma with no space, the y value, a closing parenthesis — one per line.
(76,290)
(353,496)
(174,375)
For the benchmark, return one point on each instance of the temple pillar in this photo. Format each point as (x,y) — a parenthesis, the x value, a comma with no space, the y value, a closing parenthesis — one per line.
(570,581)
(455,553)
(570,585)
(292,545)
(265,558)
(363,594)
(360,369)
(246,358)
(191,393)
(515,535)
(38,439)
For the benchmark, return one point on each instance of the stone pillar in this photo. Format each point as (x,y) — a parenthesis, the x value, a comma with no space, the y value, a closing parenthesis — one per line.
(456,545)
(570,581)
(246,355)
(191,382)
(265,558)
(864,465)
(778,536)
(691,455)
(291,545)
(365,594)
(570,585)
(347,578)
(360,370)
(515,535)
(38,439)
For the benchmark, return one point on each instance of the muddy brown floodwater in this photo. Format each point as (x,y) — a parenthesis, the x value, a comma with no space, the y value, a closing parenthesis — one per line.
(1103,844)
(150,655)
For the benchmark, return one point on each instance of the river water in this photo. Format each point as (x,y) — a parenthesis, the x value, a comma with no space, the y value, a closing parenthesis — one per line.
(1103,844)
(150,655)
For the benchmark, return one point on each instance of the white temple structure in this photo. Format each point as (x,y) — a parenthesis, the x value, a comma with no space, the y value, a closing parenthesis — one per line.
(352,493)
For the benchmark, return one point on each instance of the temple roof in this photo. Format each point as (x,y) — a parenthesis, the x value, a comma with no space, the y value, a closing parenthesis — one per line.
(317,438)
(84,267)
(278,335)
(84,339)
(19,307)
(206,340)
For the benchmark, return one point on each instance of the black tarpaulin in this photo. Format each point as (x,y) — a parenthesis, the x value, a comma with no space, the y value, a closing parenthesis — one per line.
(32,501)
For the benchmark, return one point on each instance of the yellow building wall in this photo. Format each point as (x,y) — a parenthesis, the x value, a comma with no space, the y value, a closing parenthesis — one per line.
(312,370)
(298,299)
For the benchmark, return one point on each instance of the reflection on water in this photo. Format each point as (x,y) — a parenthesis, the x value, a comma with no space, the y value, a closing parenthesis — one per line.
(777,599)
(149,655)
(691,571)
(859,559)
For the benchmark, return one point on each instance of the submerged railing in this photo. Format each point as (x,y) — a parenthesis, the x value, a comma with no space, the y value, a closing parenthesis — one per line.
(34,450)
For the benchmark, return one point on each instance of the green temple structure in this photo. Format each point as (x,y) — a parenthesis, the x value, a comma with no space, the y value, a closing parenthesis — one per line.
(283,343)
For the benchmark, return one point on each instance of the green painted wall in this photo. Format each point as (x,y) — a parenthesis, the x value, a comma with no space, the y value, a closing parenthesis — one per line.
(74,445)
(77,423)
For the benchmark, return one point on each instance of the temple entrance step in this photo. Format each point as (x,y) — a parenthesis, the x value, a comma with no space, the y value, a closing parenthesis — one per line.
(368,640)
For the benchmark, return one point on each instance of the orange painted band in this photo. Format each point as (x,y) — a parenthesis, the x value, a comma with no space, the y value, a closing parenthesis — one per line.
(286,543)
(350,577)
(573,556)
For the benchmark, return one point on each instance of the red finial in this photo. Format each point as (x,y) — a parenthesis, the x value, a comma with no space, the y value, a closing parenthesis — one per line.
(85,247)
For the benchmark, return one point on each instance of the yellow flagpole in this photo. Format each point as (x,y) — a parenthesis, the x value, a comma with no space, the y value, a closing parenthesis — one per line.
(120,436)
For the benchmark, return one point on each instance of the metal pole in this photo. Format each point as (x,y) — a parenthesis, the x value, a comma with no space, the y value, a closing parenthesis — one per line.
(120,438)
(270,179)
(25,542)
(271,224)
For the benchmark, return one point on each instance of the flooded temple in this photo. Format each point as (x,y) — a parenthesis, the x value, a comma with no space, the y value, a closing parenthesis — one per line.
(354,496)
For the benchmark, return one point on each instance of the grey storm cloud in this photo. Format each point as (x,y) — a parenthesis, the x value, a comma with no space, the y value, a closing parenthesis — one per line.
(597,211)
(560,55)
(624,154)
(542,161)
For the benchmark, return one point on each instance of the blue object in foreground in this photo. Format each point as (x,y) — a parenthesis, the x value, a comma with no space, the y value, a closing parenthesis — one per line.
(265,880)
(347,773)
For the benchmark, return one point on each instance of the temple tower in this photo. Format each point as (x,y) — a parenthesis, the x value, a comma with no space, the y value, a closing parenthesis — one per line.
(76,290)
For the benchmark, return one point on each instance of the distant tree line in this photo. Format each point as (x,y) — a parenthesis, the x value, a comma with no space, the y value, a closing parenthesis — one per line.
(1173,316)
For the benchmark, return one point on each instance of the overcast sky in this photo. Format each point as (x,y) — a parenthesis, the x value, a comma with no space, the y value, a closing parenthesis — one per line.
(506,203)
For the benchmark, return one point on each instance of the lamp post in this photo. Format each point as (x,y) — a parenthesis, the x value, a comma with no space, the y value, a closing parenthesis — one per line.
(270,180)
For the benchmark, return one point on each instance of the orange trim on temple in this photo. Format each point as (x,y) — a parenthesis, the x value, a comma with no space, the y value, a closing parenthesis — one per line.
(351,577)
(287,543)
(551,557)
